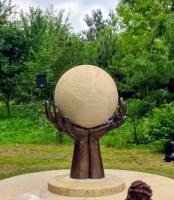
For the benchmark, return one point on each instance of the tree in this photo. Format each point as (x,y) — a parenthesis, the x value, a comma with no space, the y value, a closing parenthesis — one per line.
(136,111)
(12,50)
(47,35)
(145,45)
(95,24)
(6,10)
(101,44)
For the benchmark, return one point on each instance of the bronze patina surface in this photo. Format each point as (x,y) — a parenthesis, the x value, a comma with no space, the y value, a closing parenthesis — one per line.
(87,160)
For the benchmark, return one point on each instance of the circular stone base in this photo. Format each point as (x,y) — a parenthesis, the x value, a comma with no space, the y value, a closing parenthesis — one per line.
(35,186)
(64,185)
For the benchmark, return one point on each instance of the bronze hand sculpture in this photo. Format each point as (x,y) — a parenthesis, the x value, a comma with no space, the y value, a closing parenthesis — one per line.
(87,161)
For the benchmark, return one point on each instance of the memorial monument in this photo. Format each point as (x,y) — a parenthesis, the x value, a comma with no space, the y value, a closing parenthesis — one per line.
(85,108)
(86,98)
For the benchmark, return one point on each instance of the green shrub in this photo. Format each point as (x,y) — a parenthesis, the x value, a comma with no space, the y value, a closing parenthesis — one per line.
(160,125)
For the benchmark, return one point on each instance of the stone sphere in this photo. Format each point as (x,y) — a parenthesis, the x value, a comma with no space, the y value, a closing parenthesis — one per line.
(86,95)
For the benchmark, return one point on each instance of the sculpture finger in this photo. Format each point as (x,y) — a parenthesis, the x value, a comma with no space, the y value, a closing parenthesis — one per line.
(51,116)
(103,129)
(48,112)
(122,106)
(68,127)
(120,116)
(116,120)
(57,112)
(57,115)
(122,111)
(76,132)
(58,119)
(81,133)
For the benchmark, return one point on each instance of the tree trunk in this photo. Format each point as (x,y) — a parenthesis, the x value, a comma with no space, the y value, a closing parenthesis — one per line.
(8,107)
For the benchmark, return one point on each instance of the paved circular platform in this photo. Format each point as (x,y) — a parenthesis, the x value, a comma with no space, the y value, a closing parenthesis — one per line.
(66,186)
(37,184)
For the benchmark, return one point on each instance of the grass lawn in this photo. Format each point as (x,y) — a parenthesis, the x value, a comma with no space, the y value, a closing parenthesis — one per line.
(27,124)
(27,144)
(20,159)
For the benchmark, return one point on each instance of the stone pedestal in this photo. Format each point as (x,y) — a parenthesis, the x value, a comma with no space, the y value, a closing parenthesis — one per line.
(15,188)
(66,186)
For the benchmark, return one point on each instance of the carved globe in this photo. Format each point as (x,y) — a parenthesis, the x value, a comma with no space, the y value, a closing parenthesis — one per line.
(86,95)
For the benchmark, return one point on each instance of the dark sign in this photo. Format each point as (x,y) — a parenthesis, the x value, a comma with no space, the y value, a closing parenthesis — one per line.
(41,81)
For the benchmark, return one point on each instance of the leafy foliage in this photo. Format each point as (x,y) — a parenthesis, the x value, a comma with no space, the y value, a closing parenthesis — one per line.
(161,124)
(134,44)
